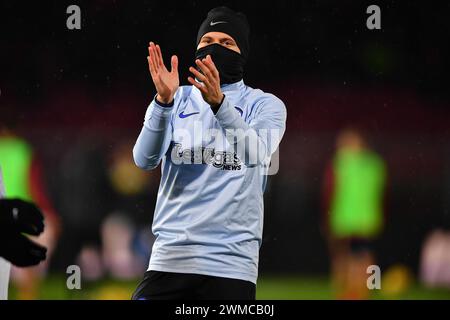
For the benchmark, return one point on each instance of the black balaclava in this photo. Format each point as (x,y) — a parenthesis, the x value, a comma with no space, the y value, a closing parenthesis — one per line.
(229,63)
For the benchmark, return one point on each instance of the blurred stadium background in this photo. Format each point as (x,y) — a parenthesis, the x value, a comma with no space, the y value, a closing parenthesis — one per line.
(78,98)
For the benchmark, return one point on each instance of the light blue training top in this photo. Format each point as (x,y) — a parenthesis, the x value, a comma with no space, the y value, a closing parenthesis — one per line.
(209,211)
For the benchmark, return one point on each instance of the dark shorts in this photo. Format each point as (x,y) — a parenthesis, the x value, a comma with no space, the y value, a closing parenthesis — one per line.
(351,245)
(359,245)
(158,285)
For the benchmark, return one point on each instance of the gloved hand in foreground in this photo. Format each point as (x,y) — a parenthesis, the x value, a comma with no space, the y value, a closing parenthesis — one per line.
(18,217)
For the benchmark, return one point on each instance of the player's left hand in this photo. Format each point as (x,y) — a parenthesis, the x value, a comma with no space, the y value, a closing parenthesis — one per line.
(210,81)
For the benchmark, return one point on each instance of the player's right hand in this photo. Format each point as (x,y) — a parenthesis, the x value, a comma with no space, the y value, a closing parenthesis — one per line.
(166,82)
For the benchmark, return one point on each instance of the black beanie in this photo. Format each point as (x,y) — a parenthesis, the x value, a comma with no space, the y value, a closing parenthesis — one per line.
(235,24)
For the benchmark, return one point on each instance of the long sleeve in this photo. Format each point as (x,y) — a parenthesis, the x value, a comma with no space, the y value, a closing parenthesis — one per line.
(155,136)
(256,141)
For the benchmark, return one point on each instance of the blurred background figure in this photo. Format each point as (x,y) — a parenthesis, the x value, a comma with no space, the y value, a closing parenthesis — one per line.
(84,202)
(118,255)
(435,255)
(353,196)
(122,250)
(435,260)
(23,178)
(126,247)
